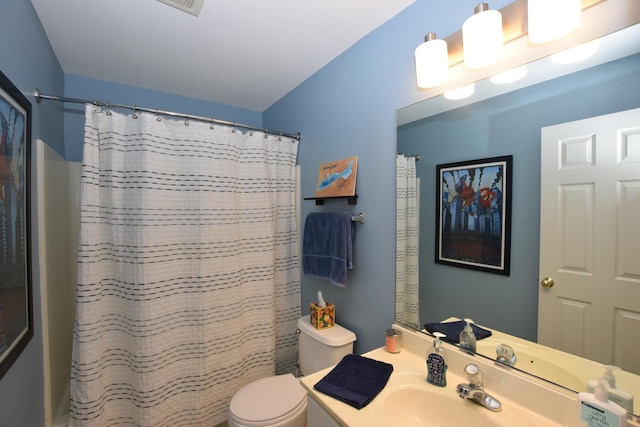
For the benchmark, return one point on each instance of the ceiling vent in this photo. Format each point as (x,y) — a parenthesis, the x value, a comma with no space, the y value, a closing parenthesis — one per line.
(190,6)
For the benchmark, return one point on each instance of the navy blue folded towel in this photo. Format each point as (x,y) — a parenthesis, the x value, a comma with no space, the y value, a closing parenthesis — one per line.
(452,330)
(356,380)
(327,246)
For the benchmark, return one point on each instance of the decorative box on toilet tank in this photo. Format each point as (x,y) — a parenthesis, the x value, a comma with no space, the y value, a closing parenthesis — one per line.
(322,317)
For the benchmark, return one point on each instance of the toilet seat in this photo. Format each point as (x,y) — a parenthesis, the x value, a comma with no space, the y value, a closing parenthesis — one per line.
(268,401)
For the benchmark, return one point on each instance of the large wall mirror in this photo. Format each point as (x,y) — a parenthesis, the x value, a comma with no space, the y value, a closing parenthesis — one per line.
(509,124)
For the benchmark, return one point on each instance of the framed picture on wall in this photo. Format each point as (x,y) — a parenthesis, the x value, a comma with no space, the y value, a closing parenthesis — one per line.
(16,316)
(473,217)
(337,178)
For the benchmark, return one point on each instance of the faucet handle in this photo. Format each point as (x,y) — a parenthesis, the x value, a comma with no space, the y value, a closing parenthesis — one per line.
(474,375)
(506,355)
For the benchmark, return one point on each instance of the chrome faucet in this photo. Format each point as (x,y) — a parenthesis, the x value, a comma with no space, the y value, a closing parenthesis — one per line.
(474,390)
(506,355)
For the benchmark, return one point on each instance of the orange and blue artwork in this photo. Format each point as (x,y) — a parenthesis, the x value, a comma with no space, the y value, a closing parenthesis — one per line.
(337,178)
(473,214)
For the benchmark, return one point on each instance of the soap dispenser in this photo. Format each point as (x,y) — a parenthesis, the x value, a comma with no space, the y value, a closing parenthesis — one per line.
(467,337)
(616,395)
(596,410)
(437,362)
(608,375)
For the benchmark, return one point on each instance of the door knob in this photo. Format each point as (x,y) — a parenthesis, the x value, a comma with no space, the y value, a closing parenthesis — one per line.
(547,282)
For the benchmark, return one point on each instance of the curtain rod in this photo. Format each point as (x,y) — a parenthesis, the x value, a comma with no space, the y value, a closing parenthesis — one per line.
(39,96)
(417,156)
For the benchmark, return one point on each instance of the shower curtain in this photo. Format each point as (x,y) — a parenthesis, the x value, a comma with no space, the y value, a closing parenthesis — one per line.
(406,241)
(188,271)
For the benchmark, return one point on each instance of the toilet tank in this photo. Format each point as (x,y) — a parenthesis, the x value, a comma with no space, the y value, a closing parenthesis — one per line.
(319,349)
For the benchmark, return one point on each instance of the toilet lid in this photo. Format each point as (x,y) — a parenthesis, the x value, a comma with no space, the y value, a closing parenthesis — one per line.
(268,398)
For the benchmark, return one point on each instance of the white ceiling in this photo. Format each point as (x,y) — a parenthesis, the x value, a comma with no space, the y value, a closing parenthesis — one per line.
(244,53)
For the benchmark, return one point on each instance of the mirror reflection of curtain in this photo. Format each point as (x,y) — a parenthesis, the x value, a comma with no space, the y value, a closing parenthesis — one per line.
(406,241)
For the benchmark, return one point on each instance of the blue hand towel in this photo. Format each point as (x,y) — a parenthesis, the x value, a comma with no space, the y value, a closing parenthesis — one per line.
(452,330)
(327,246)
(356,380)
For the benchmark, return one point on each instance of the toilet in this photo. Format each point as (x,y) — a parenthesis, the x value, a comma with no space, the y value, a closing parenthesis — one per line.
(280,401)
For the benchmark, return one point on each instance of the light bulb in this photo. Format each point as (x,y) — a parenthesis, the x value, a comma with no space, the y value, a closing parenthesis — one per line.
(551,20)
(482,38)
(461,92)
(510,76)
(577,53)
(432,62)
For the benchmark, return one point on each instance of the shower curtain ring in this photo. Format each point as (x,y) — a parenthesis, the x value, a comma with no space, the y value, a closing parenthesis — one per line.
(108,113)
(158,119)
(134,115)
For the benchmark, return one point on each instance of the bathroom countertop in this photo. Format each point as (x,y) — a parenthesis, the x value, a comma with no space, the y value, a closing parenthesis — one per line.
(345,414)
(409,371)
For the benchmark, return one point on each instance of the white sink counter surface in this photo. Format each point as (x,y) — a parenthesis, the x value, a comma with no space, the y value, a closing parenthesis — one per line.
(408,400)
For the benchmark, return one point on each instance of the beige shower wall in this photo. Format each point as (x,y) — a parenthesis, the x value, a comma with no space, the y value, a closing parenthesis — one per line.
(58,192)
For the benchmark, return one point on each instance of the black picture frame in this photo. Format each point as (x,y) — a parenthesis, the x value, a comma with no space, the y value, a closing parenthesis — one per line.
(16,300)
(473,216)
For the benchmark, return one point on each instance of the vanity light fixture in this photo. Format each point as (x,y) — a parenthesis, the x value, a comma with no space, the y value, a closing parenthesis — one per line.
(482,42)
(510,76)
(577,53)
(550,20)
(596,18)
(461,92)
(432,62)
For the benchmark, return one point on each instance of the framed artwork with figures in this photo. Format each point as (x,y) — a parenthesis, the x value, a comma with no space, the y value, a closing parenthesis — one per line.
(473,217)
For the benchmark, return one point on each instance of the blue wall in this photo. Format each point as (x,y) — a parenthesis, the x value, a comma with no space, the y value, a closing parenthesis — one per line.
(348,108)
(504,125)
(28,61)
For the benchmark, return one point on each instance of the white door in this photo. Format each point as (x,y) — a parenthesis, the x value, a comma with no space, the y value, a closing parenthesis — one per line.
(589,291)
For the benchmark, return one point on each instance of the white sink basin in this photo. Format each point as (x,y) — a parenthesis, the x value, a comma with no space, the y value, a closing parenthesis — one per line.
(409,401)
(413,404)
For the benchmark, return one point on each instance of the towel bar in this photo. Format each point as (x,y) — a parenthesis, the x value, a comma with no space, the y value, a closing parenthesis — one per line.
(359,218)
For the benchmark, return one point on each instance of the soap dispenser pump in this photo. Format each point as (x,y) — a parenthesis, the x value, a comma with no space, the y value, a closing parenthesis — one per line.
(616,395)
(608,375)
(596,410)
(437,362)
(467,337)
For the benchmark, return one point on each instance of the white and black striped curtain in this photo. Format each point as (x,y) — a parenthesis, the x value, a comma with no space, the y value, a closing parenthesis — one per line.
(407,250)
(188,270)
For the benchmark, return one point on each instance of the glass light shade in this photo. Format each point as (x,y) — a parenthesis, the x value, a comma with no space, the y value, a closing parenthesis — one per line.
(509,76)
(577,53)
(551,20)
(482,39)
(461,92)
(432,63)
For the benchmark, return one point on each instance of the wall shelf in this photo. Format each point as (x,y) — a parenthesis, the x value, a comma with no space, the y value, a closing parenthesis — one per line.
(352,200)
